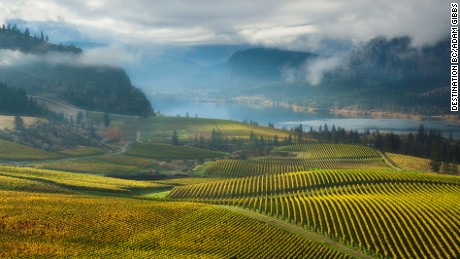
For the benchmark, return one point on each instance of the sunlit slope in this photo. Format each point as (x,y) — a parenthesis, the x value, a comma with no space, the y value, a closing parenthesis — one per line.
(43,225)
(384,212)
(166,151)
(76,181)
(300,158)
(14,151)
(160,129)
(387,213)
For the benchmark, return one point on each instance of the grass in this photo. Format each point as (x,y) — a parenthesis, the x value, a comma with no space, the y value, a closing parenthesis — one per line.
(76,181)
(111,164)
(83,151)
(376,211)
(68,226)
(186,180)
(14,151)
(160,129)
(410,162)
(166,151)
(18,184)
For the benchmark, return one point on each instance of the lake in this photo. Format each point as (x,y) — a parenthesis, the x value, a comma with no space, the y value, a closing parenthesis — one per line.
(285,117)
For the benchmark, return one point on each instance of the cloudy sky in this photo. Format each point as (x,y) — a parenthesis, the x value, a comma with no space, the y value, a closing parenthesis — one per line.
(285,24)
(136,34)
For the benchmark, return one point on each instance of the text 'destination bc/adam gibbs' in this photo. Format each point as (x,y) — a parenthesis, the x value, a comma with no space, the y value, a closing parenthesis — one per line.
(454,57)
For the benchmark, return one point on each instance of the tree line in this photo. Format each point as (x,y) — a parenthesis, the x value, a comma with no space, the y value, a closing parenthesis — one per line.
(425,143)
(15,101)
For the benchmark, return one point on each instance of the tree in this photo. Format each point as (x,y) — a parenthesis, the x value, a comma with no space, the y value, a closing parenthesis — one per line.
(79,117)
(175,138)
(27,32)
(106,120)
(435,162)
(18,123)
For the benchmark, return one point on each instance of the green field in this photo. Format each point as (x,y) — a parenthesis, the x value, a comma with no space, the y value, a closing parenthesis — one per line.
(76,181)
(83,151)
(301,158)
(110,164)
(14,151)
(98,227)
(387,213)
(300,201)
(166,151)
(160,129)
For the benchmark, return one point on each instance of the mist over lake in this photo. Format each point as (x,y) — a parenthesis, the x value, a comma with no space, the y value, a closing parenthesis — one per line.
(284,117)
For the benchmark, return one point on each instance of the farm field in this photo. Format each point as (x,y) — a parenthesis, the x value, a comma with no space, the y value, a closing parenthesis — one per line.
(159,129)
(345,194)
(383,213)
(410,162)
(167,151)
(307,157)
(101,165)
(76,181)
(83,151)
(14,151)
(138,229)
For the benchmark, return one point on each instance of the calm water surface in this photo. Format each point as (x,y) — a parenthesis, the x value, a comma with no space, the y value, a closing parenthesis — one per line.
(284,117)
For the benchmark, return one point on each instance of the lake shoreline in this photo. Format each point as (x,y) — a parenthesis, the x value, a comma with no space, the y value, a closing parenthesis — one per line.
(348,112)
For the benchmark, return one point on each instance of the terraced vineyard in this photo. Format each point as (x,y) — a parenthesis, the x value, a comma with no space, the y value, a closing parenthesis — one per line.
(166,151)
(102,165)
(304,182)
(19,184)
(308,156)
(328,151)
(78,181)
(97,227)
(386,213)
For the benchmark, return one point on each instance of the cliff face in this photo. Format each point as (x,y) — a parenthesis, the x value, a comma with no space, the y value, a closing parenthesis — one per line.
(381,74)
(90,87)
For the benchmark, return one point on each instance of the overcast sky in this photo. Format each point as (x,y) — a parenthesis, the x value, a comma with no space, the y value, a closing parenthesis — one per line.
(285,24)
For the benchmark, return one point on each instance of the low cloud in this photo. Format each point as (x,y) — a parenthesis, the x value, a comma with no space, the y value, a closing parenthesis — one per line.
(313,71)
(289,24)
(115,56)
(317,68)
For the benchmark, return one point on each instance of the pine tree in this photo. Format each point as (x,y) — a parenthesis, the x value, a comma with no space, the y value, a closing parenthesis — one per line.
(175,138)
(106,120)
(18,123)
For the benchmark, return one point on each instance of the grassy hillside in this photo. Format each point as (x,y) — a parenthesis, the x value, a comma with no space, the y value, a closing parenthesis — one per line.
(76,181)
(166,151)
(14,151)
(384,213)
(96,227)
(301,158)
(160,129)
(381,211)
(101,165)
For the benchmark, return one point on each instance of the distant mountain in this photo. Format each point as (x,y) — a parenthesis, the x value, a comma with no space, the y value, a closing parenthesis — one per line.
(262,65)
(45,68)
(185,68)
(381,74)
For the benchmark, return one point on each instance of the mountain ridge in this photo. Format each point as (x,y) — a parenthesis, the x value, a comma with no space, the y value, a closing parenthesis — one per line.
(54,70)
